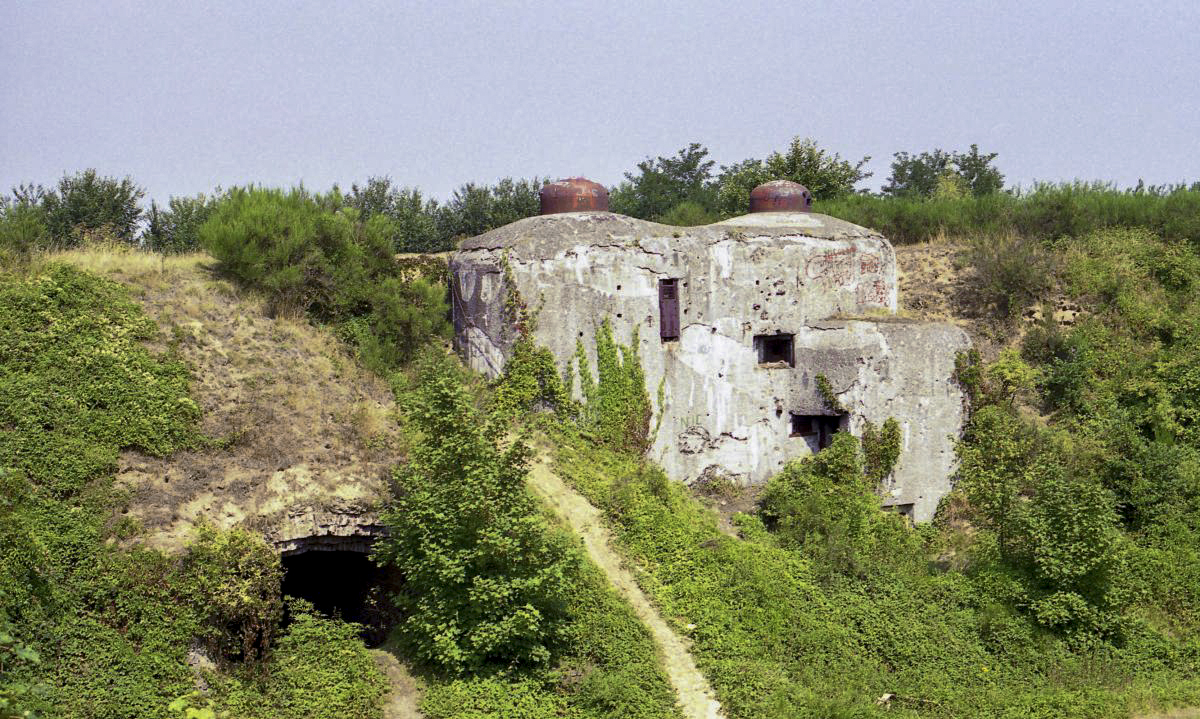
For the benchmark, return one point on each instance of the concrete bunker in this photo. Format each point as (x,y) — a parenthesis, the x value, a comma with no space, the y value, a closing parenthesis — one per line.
(750,311)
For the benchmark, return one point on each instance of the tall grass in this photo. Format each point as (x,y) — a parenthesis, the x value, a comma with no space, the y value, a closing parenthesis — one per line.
(1045,211)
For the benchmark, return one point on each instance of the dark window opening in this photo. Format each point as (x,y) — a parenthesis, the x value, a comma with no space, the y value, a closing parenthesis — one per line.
(342,584)
(818,427)
(668,309)
(775,350)
(904,510)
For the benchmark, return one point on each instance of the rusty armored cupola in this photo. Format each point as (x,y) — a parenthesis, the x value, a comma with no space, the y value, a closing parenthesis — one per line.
(780,196)
(574,194)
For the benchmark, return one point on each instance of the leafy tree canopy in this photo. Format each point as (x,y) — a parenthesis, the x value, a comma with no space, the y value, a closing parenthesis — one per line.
(826,175)
(944,173)
(662,183)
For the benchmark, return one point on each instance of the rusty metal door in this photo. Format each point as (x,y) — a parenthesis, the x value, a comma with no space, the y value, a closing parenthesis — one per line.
(668,309)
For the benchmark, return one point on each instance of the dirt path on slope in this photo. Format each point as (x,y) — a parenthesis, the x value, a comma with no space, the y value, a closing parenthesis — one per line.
(401,700)
(695,697)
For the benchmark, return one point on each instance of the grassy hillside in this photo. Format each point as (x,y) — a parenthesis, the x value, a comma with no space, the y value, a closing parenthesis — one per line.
(146,423)
(101,631)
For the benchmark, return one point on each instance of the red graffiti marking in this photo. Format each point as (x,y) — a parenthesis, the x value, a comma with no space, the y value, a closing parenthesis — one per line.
(869,264)
(872,293)
(836,266)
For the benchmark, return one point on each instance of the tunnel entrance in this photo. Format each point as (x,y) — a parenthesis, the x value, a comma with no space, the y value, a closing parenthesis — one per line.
(343,584)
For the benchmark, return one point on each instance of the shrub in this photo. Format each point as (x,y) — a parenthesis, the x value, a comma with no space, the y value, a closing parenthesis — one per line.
(1181,217)
(1077,556)
(688,214)
(86,202)
(1011,272)
(485,576)
(232,579)
(331,265)
(826,506)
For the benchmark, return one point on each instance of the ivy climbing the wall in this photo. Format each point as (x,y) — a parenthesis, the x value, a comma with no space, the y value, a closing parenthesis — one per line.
(531,380)
(881,449)
(617,409)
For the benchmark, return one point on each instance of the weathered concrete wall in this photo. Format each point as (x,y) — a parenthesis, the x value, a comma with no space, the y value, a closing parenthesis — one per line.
(762,274)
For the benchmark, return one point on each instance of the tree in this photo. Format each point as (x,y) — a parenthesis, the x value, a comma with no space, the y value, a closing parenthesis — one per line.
(88,202)
(923,175)
(177,228)
(414,218)
(826,175)
(485,575)
(663,183)
(475,209)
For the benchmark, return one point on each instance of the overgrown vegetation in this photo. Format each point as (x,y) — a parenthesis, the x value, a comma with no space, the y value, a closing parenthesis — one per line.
(499,605)
(1062,577)
(88,628)
(310,256)
(834,604)
(616,408)
(484,577)
(1043,212)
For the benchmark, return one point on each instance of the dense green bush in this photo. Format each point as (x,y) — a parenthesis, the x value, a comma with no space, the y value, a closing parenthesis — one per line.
(484,575)
(827,507)
(233,580)
(77,386)
(319,669)
(331,265)
(75,390)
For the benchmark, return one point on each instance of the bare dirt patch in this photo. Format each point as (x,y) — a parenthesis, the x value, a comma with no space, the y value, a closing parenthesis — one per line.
(403,699)
(937,284)
(303,436)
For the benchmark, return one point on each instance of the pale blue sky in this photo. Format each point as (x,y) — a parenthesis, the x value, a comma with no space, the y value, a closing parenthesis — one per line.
(185,96)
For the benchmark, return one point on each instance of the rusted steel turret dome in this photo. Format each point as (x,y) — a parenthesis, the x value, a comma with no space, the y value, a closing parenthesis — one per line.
(574,194)
(780,196)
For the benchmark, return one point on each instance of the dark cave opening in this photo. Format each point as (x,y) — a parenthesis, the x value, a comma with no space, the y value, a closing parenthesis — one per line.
(343,584)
